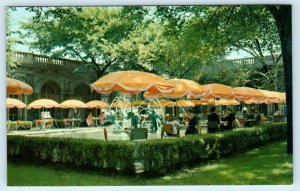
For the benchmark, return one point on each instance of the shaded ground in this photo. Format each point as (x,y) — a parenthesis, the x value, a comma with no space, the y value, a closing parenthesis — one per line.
(268,165)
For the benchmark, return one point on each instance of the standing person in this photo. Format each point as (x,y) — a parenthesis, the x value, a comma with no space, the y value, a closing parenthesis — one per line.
(213,117)
(192,123)
(155,119)
(230,119)
(89,120)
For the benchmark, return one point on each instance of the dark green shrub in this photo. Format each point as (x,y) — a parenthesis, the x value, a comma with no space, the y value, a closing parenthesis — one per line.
(80,152)
(157,156)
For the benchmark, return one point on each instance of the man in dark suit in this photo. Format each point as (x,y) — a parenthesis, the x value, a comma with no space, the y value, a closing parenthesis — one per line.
(213,117)
(229,118)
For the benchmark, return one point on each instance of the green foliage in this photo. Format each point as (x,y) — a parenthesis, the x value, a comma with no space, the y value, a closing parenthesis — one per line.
(18,125)
(79,152)
(92,35)
(157,156)
(11,41)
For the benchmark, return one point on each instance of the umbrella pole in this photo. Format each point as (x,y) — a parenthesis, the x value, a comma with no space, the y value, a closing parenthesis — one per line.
(131,116)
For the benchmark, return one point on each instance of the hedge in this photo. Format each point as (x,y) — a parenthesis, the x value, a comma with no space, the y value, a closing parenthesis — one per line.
(18,125)
(157,156)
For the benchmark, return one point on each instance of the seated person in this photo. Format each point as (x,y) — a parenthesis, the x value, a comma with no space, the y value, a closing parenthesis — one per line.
(192,123)
(89,120)
(102,118)
(258,117)
(213,117)
(230,118)
(175,124)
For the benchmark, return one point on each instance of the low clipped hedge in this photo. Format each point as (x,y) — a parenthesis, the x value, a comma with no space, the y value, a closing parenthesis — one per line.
(79,152)
(157,156)
(18,125)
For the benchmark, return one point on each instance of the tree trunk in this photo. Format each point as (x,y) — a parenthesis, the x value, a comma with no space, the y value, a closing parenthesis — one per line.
(283,17)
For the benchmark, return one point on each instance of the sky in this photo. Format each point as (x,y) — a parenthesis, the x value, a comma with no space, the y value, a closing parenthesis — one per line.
(22,15)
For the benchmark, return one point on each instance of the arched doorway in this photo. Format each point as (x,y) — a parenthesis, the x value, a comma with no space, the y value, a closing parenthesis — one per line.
(51,90)
(82,92)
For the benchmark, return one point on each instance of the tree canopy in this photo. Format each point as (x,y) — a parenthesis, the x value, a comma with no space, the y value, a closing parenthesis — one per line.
(174,41)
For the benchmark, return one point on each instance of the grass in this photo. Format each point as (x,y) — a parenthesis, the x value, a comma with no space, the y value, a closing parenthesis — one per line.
(269,165)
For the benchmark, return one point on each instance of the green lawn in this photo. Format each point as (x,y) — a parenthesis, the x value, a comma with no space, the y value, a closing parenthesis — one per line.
(267,165)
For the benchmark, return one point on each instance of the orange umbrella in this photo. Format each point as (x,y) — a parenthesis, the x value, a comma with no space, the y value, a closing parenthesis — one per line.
(244,93)
(256,101)
(12,103)
(131,82)
(162,103)
(219,91)
(121,104)
(227,102)
(182,88)
(185,103)
(42,103)
(96,104)
(268,94)
(17,87)
(72,104)
(280,97)
(140,103)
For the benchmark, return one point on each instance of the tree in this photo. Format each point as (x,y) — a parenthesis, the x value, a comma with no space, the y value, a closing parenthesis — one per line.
(283,18)
(89,34)
(250,28)
(183,59)
(11,40)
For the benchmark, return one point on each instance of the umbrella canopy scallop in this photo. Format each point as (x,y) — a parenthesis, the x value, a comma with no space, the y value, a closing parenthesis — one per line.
(14,103)
(42,103)
(17,87)
(219,91)
(185,103)
(96,104)
(244,93)
(162,103)
(182,88)
(227,102)
(72,104)
(256,101)
(131,82)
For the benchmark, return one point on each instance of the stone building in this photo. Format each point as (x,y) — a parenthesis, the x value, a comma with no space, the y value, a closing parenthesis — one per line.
(56,79)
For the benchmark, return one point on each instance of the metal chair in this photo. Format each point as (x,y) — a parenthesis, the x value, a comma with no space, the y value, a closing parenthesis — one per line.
(213,126)
(167,130)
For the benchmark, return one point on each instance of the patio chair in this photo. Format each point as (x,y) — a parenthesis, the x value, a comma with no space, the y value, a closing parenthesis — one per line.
(167,130)
(213,126)
(139,134)
(67,122)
